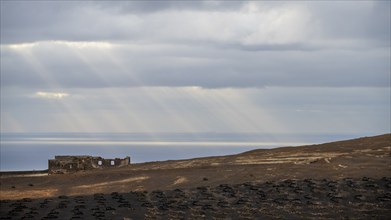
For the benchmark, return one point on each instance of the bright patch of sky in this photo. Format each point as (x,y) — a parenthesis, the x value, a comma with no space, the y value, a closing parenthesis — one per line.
(195,66)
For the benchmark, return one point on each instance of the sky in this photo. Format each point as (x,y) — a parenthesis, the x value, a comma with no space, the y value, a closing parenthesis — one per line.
(297,67)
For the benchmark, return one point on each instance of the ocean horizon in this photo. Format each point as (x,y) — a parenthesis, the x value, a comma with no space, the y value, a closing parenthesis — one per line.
(31,151)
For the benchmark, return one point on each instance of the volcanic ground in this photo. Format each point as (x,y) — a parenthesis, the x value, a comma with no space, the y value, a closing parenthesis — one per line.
(340,180)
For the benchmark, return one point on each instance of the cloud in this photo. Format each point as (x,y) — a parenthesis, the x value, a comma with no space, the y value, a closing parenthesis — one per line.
(103,64)
(343,23)
(193,109)
(309,110)
(171,22)
(137,7)
(195,43)
(241,24)
(51,95)
(262,66)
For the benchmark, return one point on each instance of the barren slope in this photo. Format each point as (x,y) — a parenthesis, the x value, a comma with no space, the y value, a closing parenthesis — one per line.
(363,157)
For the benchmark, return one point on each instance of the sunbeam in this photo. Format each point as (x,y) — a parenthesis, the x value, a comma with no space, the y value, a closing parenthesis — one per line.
(164,109)
(68,112)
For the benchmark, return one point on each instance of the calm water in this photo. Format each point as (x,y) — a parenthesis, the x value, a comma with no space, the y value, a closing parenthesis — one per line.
(31,151)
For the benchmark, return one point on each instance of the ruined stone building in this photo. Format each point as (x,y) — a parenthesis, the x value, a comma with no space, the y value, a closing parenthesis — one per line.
(69,164)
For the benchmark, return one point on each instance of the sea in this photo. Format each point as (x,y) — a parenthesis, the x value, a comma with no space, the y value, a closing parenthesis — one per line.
(31,151)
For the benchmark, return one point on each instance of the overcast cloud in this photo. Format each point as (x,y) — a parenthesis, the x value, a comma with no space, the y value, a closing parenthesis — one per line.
(87,60)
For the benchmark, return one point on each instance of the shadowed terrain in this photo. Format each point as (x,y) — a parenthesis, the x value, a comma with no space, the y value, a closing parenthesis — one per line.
(334,180)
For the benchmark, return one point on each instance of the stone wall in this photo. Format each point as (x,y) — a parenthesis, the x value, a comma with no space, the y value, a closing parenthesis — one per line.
(69,164)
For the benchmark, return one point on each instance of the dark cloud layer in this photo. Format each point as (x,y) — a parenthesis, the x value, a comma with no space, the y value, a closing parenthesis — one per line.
(30,21)
(24,21)
(155,6)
